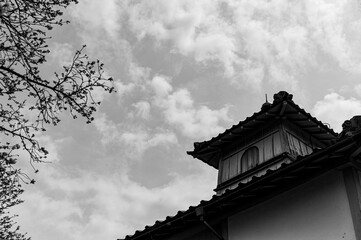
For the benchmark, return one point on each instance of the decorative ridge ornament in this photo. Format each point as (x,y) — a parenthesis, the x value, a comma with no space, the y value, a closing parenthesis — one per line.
(350,127)
(282,96)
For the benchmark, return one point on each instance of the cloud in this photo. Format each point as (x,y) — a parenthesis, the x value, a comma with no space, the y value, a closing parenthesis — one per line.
(335,28)
(179,109)
(142,109)
(85,205)
(62,52)
(161,86)
(254,42)
(357,89)
(335,109)
(193,27)
(135,138)
(137,74)
(139,141)
(45,210)
(98,15)
(208,47)
(248,43)
(123,88)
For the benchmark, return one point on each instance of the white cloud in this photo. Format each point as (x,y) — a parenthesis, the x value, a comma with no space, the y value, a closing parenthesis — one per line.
(142,109)
(166,20)
(216,46)
(335,109)
(333,25)
(62,52)
(138,141)
(137,73)
(106,127)
(123,88)
(90,206)
(179,109)
(135,138)
(357,89)
(45,210)
(254,41)
(161,86)
(193,27)
(99,15)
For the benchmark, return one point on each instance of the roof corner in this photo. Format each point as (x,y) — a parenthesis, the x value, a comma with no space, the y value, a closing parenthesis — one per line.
(350,127)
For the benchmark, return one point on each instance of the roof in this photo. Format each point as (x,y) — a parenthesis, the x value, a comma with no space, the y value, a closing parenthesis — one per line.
(345,152)
(281,107)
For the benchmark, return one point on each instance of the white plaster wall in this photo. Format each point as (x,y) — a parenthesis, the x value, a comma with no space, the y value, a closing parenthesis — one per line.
(316,210)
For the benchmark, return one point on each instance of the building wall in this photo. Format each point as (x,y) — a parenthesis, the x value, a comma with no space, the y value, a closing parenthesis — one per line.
(316,210)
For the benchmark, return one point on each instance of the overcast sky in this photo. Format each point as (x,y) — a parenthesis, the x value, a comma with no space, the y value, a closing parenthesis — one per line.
(184,71)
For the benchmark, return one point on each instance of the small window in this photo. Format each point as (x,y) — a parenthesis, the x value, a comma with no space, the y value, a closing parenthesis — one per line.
(250,158)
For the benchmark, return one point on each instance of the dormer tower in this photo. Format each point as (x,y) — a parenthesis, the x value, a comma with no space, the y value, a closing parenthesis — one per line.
(278,134)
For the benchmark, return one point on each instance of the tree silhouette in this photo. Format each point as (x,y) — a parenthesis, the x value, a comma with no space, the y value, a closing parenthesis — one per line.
(28,101)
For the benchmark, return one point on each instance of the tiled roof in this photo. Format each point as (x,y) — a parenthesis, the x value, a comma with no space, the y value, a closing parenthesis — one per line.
(282,106)
(260,188)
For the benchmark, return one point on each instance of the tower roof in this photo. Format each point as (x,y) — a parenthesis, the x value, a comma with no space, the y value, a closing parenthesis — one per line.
(282,107)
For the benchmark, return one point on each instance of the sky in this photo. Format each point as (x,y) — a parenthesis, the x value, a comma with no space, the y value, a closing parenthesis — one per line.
(184,72)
